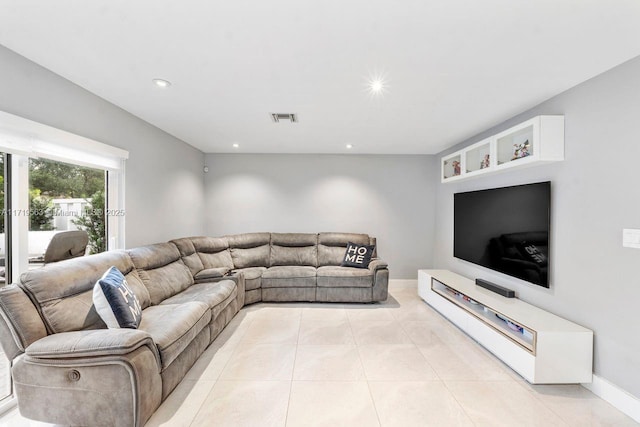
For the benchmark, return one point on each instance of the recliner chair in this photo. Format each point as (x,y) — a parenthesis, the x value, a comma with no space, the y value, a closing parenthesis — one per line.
(66,245)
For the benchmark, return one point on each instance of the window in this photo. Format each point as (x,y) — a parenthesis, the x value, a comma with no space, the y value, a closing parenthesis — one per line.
(63,198)
(53,181)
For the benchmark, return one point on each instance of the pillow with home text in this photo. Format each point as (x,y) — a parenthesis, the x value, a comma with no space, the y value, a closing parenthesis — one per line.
(358,256)
(115,302)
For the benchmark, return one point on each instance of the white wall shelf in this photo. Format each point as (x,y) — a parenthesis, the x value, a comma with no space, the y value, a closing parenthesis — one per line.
(540,346)
(536,141)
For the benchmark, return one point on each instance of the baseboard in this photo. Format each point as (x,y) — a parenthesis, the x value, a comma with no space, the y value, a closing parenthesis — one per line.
(616,396)
(8,404)
(401,283)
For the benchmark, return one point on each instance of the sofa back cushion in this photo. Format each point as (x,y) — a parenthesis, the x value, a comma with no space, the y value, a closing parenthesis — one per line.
(189,254)
(20,322)
(213,252)
(63,291)
(332,246)
(161,269)
(250,249)
(294,249)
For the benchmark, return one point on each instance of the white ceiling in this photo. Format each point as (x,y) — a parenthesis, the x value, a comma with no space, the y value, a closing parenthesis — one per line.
(454,67)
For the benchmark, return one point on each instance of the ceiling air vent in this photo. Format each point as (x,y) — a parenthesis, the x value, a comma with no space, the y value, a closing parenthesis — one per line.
(283,117)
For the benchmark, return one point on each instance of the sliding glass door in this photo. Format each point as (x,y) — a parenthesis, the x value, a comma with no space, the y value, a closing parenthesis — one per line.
(5,264)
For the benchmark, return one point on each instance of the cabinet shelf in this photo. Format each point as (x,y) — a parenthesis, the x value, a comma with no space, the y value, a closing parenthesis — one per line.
(540,346)
(538,140)
(524,336)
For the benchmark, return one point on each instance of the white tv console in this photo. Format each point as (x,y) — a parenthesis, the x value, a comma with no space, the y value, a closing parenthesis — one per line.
(540,346)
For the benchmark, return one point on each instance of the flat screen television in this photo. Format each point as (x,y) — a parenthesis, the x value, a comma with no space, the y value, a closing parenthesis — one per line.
(505,229)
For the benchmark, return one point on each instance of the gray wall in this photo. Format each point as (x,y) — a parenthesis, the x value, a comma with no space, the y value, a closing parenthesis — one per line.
(164,179)
(594,280)
(389,197)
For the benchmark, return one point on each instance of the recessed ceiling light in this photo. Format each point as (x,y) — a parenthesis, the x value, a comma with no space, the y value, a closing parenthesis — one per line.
(236,145)
(377,84)
(349,146)
(162,83)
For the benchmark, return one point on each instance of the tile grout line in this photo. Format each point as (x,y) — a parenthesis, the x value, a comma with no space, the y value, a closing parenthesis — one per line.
(293,370)
(444,383)
(458,402)
(542,402)
(193,420)
(364,371)
(421,353)
(195,415)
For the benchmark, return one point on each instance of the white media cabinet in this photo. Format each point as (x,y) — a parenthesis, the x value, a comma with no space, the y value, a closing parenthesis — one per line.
(540,346)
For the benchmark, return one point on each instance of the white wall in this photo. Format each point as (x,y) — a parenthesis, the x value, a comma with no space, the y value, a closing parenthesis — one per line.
(164,180)
(594,280)
(389,197)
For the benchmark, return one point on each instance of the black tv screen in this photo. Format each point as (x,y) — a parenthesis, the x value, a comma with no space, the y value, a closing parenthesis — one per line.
(505,229)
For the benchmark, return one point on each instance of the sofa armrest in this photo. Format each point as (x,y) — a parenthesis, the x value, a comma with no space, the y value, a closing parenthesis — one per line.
(238,277)
(92,377)
(211,273)
(377,264)
(91,343)
(380,272)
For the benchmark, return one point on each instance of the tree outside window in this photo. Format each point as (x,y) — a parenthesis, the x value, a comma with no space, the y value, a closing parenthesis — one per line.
(50,180)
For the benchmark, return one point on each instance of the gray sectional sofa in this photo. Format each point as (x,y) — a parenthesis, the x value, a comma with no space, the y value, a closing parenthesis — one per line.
(68,368)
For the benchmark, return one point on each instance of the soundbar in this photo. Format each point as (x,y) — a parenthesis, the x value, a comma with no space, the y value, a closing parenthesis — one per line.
(508,293)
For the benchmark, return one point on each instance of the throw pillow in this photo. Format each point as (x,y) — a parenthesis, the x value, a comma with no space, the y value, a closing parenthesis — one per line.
(115,302)
(358,256)
(532,253)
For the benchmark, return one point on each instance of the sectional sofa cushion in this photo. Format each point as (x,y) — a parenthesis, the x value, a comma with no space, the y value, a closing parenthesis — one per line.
(20,319)
(210,293)
(289,276)
(335,277)
(250,249)
(161,269)
(283,255)
(115,302)
(189,254)
(217,310)
(294,249)
(174,326)
(213,251)
(63,292)
(251,257)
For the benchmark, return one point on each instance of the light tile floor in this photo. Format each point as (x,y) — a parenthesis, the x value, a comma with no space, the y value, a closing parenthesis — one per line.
(393,364)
